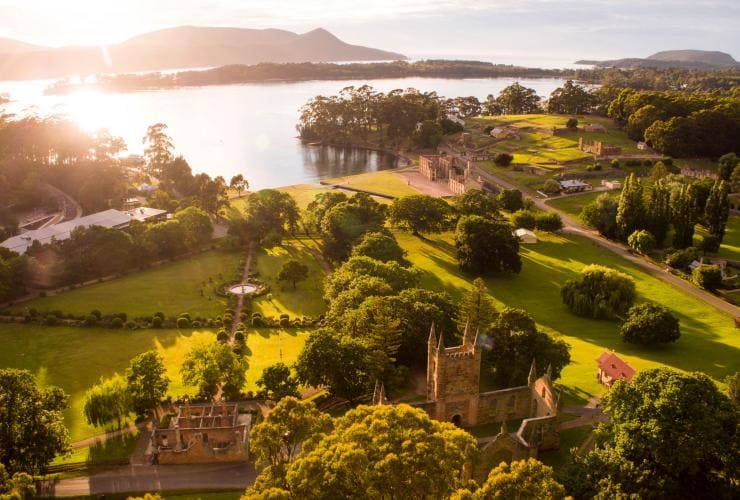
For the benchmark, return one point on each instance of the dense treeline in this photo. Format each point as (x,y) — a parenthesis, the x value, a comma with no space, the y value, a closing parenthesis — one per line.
(35,151)
(647,210)
(266,72)
(641,78)
(679,123)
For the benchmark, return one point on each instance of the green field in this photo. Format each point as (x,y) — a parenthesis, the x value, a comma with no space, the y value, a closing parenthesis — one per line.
(306,299)
(537,145)
(267,347)
(569,438)
(76,358)
(184,286)
(709,341)
(383,182)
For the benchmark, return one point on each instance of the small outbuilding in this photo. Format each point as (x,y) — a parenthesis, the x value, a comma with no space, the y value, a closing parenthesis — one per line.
(574,186)
(526,236)
(613,184)
(612,368)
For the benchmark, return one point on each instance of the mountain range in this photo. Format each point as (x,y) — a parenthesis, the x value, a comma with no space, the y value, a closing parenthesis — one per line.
(691,59)
(181,48)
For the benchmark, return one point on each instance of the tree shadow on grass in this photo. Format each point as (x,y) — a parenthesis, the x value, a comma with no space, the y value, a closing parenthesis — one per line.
(113,448)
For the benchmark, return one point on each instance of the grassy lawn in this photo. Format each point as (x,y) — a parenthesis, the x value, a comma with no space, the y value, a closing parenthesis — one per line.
(303,194)
(574,204)
(536,143)
(306,299)
(709,341)
(382,182)
(115,448)
(76,358)
(183,286)
(267,347)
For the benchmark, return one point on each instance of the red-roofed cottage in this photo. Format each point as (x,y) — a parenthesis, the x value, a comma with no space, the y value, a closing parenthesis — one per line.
(613,368)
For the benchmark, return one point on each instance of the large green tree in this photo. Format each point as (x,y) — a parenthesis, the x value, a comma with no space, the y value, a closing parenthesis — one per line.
(32,430)
(517,100)
(339,363)
(380,245)
(277,381)
(570,99)
(530,479)
(210,366)
(419,213)
(630,209)
(271,215)
(393,451)
(159,147)
(516,342)
(107,402)
(486,246)
(717,209)
(599,292)
(477,309)
(346,223)
(147,382)
(670,435)
(650,323)
(683,217)
(476,202)
(658,210)
(601,214)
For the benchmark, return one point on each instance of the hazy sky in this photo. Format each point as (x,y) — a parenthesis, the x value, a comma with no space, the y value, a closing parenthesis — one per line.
(558,29)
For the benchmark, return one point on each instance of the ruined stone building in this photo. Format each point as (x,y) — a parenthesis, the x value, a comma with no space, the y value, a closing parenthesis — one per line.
(453,170)
(453,395)
(598,148)
(203,433)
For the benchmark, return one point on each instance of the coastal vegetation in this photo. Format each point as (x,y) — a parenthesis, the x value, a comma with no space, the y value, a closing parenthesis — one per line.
(706,80)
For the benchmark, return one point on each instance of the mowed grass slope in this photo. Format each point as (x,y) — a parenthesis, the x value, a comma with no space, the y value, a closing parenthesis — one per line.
(76,358)
(306,299)
(184,286)
(382,182)
(709,341)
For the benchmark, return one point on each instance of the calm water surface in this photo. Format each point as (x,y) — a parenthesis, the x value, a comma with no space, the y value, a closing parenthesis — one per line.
(248,129)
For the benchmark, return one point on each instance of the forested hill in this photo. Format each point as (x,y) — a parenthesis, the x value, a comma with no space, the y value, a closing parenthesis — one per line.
(691,59)
(267,72)
(183,47)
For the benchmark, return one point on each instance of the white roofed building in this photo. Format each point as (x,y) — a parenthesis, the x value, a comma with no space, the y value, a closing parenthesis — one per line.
(112,219)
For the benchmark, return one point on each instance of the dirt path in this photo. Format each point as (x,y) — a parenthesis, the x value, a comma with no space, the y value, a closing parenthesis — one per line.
(573,226)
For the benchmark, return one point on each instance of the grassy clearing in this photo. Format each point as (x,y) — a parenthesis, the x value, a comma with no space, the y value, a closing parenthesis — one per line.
(537,145)
(267,347)
(306,299)
(76,358)
(184,286)
(709,342)
(383,182)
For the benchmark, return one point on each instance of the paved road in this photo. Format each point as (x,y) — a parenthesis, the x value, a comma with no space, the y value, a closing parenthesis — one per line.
(573,226)
(158,478)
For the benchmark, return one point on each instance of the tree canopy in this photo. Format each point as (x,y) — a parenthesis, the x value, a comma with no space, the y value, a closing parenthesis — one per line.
(485,246)
(32,430)
(599,292)
(670,435)
(419,213)
(650,323)
(210,366)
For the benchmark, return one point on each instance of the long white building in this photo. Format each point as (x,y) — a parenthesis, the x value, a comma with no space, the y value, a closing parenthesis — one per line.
(109,218)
